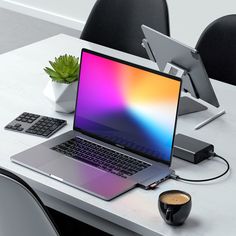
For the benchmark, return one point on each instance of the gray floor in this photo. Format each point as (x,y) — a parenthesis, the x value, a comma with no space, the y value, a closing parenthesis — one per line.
(17,30)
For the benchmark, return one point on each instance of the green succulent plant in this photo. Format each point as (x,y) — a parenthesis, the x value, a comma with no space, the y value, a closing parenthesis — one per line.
(64,69)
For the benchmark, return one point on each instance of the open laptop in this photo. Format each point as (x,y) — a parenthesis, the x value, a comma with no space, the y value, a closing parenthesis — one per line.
(124,126)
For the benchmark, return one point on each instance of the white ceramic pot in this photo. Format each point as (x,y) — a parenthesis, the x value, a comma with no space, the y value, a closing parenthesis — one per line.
(62,95)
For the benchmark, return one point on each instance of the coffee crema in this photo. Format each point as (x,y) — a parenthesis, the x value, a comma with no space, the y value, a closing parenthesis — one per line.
(174,198)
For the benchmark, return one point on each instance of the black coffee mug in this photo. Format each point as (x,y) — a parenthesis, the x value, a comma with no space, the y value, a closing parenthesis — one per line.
(174,206)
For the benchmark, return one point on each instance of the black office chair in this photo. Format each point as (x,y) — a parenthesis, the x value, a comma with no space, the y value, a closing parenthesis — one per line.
(117,23)
(217,47)
(22,213)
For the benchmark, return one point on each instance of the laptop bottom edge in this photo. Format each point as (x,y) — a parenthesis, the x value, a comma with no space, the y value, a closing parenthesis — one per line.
(104,188)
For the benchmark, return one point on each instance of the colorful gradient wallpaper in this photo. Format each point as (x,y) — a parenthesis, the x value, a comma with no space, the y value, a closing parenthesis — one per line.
(126,105)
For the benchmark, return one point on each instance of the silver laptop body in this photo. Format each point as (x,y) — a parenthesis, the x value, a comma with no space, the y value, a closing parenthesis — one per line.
(92,179)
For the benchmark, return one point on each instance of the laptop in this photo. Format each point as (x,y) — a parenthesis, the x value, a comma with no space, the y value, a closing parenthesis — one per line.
(123,132)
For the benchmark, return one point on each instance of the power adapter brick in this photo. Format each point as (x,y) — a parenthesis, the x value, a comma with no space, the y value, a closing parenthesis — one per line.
(191,149)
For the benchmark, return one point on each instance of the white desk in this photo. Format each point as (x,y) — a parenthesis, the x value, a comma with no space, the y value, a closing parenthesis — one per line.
(213,213)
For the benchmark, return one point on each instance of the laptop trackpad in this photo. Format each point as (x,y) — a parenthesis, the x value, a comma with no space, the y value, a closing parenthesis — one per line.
(73,172)
(87,178)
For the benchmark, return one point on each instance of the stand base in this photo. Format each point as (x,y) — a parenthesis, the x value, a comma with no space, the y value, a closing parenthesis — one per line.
(188,105)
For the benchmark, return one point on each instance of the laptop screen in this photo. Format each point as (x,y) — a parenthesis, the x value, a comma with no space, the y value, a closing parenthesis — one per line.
(127,105)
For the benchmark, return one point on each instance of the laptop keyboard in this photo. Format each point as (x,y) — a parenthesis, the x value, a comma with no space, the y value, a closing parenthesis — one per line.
(101,157)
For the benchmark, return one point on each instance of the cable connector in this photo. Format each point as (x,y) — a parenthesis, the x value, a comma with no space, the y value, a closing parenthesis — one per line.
(174,176)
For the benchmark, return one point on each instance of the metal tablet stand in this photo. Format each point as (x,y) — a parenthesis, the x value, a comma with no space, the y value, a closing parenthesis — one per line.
(186,105)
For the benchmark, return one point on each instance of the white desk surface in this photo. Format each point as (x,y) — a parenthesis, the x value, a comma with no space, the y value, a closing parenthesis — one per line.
(213,212)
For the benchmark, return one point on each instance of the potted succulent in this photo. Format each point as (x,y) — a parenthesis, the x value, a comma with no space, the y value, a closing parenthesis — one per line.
(61,89)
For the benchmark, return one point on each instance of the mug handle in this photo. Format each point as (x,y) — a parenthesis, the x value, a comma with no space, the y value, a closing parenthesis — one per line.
(169,214)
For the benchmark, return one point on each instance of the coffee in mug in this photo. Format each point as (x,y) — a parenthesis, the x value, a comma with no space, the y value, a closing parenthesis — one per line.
(175,198)
(174,206)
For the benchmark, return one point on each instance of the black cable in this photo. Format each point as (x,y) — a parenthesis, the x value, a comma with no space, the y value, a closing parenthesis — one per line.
(176,177)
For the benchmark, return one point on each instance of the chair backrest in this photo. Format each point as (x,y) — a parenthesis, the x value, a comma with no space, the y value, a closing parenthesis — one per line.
(217,47)
(117,23)
(21,211)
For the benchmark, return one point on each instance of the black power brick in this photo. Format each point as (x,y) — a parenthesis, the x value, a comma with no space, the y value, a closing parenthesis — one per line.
(191,149)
